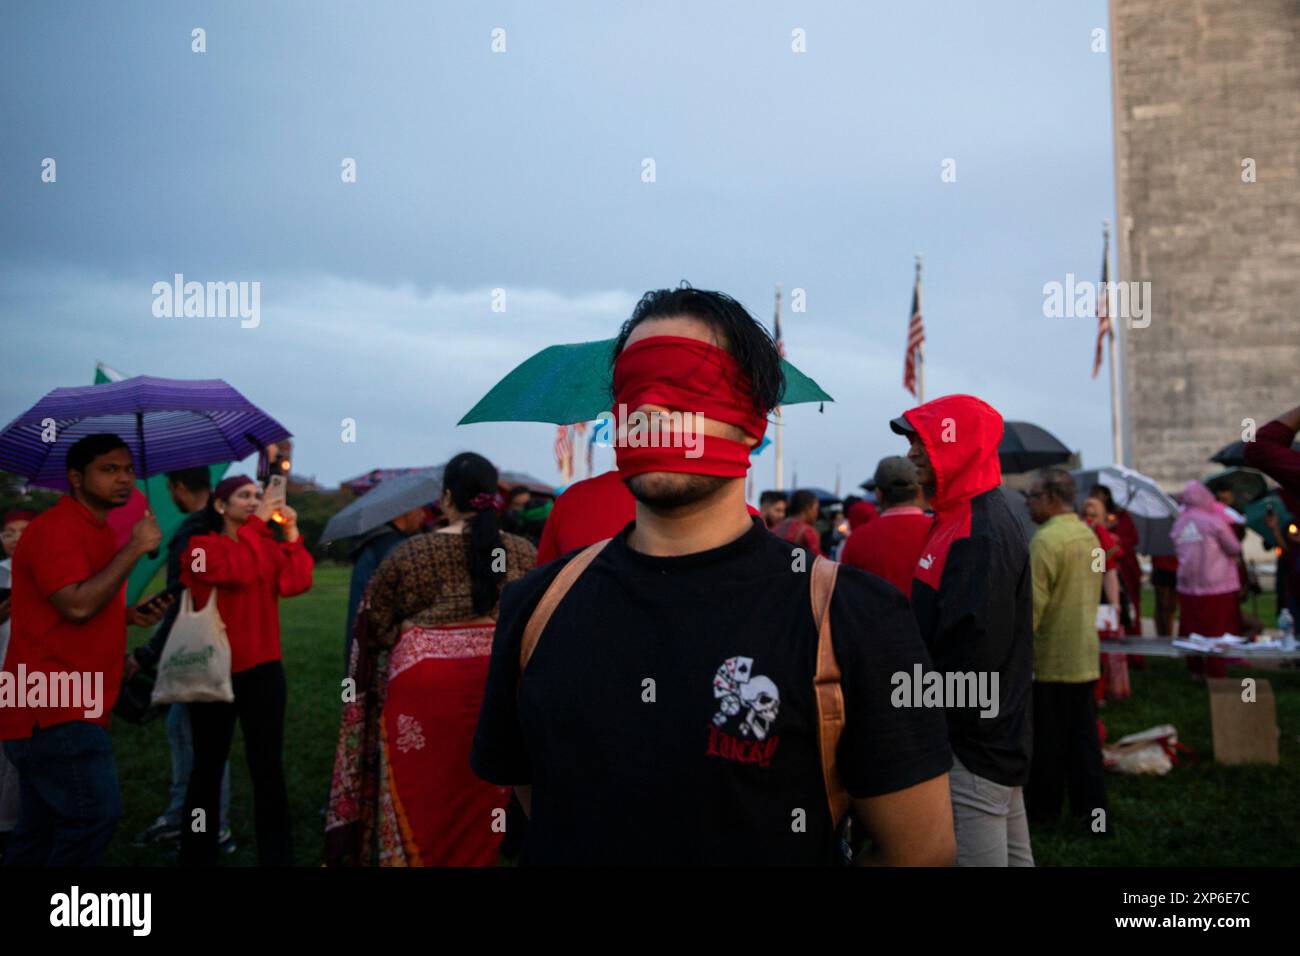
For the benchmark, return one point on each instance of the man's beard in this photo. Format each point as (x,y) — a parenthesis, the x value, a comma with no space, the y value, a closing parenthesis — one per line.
(667,490)
(102,504)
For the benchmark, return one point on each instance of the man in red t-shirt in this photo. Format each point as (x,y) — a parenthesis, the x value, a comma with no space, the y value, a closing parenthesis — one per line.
(891,545)
(799,527)
(587,511)
(63,668)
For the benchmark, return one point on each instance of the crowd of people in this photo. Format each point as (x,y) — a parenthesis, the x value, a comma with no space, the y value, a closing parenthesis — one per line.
(652,672)
(68,616)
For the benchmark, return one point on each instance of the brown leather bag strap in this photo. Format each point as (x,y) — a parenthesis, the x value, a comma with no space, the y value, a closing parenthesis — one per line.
(541,615)
(830,696)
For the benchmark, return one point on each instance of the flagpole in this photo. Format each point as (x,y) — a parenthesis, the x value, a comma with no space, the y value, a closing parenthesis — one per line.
(1117,443)
(778,450)
(920,349)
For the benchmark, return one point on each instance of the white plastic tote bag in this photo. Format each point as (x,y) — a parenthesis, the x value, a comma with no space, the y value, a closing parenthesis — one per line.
(195,663)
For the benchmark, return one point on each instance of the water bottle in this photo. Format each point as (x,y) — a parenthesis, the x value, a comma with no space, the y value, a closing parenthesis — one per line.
(1286,624)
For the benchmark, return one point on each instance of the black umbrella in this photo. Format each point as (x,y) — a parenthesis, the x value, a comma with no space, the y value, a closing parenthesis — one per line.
(1246,485)
(1019,505)
(1234,455)
(1026,446)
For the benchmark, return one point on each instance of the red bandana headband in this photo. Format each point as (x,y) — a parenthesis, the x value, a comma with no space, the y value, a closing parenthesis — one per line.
(688,376)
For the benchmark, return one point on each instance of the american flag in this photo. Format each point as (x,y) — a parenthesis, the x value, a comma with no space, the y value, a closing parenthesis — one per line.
(915,337)
(1104,328)
(563,450)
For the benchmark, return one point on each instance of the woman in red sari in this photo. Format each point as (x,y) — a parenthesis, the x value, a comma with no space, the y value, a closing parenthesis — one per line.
(403,793)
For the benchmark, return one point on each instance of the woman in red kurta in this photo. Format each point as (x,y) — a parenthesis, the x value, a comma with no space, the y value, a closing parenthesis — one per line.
(247,570)
(1130,571)
(1120,524)
(1114,667)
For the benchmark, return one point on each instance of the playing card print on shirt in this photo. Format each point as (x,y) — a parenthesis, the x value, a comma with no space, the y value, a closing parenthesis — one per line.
(748,705)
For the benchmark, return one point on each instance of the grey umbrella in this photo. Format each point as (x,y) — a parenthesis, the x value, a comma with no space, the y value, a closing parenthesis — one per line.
(384,502)
(1151,509)
(509,479)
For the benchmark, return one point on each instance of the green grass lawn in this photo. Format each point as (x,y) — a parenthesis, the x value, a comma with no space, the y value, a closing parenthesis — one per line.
(1200,814)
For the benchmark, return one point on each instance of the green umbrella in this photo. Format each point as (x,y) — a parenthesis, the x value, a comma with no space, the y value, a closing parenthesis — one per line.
(1256,510)
(571,383)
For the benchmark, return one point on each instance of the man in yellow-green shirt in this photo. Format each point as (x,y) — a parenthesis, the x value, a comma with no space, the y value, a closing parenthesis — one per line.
(1067,566)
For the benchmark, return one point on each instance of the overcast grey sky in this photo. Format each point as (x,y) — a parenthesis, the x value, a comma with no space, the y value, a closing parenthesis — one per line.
(522,170)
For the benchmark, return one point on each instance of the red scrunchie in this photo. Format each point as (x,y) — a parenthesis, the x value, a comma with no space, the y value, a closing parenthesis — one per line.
(482,501)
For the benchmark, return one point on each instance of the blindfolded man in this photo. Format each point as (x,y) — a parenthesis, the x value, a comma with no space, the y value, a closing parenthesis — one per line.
(670,695)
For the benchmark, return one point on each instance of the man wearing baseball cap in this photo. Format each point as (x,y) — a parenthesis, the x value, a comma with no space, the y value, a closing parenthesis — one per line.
(973,600)
(890,549)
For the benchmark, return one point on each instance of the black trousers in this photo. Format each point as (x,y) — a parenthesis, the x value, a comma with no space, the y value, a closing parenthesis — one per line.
(1067,754)
(260,696)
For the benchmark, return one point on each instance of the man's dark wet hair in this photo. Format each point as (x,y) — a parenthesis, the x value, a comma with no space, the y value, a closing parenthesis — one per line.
(769,497)
(1058,485)
(800,502)
(1107,499)
(893,495)
(749,343)
(192,479)
(87,449)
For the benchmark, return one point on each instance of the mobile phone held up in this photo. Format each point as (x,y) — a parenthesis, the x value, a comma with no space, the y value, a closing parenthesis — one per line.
(275,489)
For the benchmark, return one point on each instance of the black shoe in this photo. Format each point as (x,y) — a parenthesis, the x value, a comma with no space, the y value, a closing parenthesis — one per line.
(160,831)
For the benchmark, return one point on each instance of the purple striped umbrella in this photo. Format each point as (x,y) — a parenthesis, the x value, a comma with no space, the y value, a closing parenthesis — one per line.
(168,424)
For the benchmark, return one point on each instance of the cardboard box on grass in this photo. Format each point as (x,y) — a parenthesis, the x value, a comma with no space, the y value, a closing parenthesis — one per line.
(1244,731)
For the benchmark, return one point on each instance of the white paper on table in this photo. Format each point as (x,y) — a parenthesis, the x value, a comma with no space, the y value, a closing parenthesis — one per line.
(1226,640)
(1200,645)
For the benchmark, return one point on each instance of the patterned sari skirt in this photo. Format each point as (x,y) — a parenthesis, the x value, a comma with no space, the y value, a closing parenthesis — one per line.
(429,807)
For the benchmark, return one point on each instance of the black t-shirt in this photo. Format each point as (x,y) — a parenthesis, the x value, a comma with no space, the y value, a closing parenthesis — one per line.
(668,712)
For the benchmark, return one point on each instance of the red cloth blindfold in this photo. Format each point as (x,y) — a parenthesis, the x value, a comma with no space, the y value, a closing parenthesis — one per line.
(688,376)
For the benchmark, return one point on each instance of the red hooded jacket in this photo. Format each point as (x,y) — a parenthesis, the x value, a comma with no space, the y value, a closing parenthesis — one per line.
(971,591)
